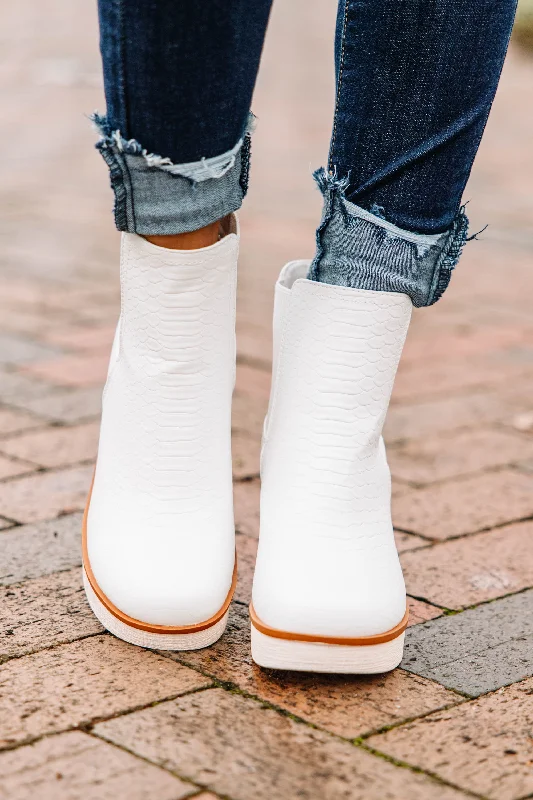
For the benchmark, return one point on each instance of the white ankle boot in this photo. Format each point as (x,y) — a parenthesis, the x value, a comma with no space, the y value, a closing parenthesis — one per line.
(328,592)
(158,539)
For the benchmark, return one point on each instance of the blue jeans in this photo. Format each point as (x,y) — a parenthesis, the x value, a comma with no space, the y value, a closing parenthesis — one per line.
(415,83)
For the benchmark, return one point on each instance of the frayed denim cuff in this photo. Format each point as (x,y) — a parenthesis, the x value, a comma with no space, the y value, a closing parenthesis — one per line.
(359,249)
(153,196)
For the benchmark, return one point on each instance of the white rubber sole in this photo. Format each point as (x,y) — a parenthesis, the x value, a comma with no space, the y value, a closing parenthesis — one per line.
(291,654)
(153,641)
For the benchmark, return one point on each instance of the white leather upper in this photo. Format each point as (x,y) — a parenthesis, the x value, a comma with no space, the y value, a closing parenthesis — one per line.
(160,527)
(327,562)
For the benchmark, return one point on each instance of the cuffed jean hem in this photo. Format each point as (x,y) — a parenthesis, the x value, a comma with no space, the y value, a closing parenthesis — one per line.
(361,249)
(153,196)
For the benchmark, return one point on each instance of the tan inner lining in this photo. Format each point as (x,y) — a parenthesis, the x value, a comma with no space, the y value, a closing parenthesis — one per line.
(135,623)
(359,641)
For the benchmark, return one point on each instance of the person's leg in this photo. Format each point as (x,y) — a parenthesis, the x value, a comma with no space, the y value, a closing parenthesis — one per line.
(179,79)
(415,83)
(159,534)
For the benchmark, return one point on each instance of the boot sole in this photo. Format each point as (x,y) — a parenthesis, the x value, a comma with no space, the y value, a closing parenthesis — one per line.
(143,634)
(365,655)
(146,638)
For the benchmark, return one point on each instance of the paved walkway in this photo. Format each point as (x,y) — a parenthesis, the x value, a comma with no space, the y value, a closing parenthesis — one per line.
(83,715)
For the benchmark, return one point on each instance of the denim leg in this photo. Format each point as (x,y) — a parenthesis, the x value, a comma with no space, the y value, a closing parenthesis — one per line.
(415,84)
(178,82)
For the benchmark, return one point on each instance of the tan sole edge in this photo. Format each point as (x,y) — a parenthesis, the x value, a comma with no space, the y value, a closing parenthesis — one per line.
(159,630)
(359,641)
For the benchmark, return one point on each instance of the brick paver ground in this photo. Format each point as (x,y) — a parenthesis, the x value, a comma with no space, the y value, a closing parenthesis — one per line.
(83,715)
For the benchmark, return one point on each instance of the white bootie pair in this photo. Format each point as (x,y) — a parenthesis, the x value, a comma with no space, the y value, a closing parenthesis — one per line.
(158,538)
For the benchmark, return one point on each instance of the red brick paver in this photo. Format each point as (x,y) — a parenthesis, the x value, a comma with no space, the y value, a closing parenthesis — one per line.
(10,468)
(74,765)
(423,419)
(43,613)
(437,458)
(16,422)
(96,677)
(80,370)
(473,569)
(246,452)
(85,715)
(55,447)
(246,503)
(45,495)
(197,735)
(465,506)
(421,612)
(423,381)
(98,338)
(483,746)
(67,406)
(408,541)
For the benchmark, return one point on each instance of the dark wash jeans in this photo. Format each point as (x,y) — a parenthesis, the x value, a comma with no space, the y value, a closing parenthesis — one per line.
(415,83)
